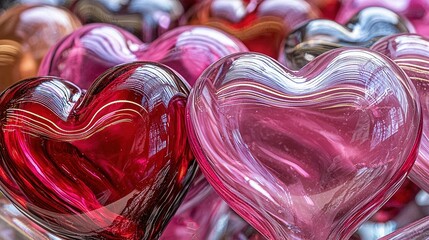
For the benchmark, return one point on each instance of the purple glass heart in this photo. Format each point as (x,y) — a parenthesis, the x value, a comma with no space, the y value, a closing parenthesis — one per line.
(411,53)
(321,35)
(92,49)
(417,11)
(306,154)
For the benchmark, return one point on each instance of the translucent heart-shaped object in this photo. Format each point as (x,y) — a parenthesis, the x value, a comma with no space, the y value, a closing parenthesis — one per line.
(260,24)
(26,34)
(146,19)
(321,35)
(308,154)
(89,51)
(411,53)
(417,11)
(112,162)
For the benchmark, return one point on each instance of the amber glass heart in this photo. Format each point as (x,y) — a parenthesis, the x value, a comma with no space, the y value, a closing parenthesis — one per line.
(112,162)
(26,34)
(306,154)
(259,24)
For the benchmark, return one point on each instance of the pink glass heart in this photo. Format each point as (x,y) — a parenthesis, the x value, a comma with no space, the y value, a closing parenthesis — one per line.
(92,49)
(309,154)
(417,11)
(147,19)
(260,24)
(112,162)
(411,53)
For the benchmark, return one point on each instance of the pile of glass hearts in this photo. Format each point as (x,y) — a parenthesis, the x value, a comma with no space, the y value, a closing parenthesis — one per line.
(214,119)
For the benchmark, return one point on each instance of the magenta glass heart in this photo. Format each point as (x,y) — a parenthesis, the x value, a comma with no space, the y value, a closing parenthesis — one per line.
(92,49)
(309,154)
(411,53)
(110,163)
(417,11)
(147,19)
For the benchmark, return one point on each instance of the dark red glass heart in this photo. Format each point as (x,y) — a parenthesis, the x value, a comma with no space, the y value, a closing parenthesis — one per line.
(92,49)
(318,36)
(109,163)
(147,19)
(259,24)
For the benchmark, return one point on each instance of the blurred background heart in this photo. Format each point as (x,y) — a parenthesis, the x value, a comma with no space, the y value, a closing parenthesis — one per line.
(26,34)
(89,51)
(260,24)
(321,35)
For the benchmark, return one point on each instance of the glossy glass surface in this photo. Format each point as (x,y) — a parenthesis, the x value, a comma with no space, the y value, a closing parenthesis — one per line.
(405,195)
(321,35)
(417,11)
(308,154)
(89,51)
(112,162)
(328,8)
(204,215)
(26,35)
(260,24)
(411,53)
(406,212)
(416,230)
(147,19)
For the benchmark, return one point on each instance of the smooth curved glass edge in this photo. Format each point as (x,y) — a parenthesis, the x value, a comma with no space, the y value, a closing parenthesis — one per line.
(203,89)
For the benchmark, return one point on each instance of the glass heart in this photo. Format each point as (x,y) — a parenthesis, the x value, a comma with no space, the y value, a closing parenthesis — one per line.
(146,19)
(306,154)
(92,49)
(321,35)
(112,162)
(260,24)
(411,53)
(417,11)
(26,35)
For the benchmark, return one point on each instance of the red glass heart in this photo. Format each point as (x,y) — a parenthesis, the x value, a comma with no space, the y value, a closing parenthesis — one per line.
(411,53)
(109,163)
(92,49)
(147,19)
(26,34)
(306,154)
(260,24)
(328,8)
